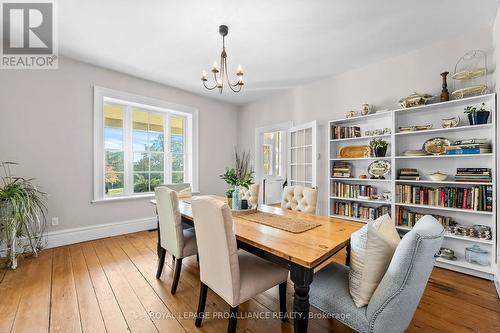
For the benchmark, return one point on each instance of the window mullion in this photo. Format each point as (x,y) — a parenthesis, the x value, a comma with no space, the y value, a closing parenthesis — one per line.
(128,151)
(167,153)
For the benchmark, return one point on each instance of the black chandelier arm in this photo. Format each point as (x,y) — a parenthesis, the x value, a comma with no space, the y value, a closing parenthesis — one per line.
(205,84)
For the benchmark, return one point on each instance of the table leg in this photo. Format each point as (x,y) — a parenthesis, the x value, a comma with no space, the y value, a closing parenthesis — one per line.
(158,246)
(301,277)
(348,254)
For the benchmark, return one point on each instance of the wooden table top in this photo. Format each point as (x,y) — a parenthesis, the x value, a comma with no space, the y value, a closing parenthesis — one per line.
(308,249)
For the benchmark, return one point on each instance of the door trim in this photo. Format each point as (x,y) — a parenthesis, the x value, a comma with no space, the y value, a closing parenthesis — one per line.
(284,126)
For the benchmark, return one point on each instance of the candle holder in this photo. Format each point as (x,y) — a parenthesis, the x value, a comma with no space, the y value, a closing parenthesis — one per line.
(445,95)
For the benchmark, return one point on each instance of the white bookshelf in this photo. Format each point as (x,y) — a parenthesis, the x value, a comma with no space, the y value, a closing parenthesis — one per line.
(402,141)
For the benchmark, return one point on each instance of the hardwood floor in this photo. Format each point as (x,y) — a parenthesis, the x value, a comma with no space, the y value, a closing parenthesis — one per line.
(109,285)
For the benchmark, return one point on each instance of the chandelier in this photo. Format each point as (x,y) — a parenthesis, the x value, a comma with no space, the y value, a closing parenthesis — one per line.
(220,75)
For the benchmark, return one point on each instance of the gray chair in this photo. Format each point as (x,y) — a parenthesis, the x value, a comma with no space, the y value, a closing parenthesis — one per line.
(396,298)
(179,242)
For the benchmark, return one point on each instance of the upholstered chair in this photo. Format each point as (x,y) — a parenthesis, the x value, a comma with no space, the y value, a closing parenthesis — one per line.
(251,194)
(179,242)
(299,198)
(235,275)
(183,190)
(396,298)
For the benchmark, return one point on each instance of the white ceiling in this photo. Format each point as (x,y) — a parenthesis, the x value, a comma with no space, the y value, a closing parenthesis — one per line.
(280,43)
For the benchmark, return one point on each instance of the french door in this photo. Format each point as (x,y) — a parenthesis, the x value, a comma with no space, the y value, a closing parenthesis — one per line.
(302,155)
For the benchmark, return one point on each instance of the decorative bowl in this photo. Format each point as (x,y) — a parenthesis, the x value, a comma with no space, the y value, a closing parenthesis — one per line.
(414,99)
(438,176)
(436,146)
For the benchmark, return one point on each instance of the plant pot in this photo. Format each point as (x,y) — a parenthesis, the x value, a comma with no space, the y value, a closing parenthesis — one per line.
(478,118)
(380,151)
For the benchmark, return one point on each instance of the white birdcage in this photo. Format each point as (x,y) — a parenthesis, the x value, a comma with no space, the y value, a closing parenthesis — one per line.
(470,78)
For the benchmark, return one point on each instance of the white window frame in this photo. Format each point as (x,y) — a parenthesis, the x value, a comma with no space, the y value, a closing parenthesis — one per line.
(155,105)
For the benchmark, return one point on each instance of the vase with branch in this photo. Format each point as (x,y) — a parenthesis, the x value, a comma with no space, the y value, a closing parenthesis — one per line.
(22,215)
(238,176)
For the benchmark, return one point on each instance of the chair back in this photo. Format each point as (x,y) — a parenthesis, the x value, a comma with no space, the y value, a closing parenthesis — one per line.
(251,194)
(300,198)
(396,298)
(167,205)
(183,190)
(217,249)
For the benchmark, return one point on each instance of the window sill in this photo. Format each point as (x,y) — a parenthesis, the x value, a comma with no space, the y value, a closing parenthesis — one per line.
(129,198)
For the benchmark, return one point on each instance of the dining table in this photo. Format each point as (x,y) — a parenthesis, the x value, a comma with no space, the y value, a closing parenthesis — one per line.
(302,254)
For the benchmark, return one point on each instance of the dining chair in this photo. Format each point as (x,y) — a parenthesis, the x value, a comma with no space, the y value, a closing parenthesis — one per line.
(179,242)
(299,198)
(396,298)
(251,194)
(235,275)
(183,190)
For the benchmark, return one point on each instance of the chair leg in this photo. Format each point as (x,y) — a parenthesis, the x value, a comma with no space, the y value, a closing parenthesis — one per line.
(201,305)
(161,262)
(282,289)
(233,317)
(177,274)
(173,261)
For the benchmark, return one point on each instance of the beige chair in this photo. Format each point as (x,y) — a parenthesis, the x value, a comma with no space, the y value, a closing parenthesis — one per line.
(251,194)
(179,242)
(183,190)
(300,198)
(234,275)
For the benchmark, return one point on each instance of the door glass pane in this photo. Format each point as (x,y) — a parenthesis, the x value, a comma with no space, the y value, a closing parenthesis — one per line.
(266,154)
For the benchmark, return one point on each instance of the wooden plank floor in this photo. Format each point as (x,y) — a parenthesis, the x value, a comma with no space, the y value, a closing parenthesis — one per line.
(109,285)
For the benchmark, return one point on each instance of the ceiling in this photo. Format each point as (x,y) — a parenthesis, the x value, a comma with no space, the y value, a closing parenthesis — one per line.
(280,43)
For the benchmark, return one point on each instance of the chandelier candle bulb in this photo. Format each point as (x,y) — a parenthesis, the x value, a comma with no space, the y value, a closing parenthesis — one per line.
(203,76)
(215,67)
(239,70)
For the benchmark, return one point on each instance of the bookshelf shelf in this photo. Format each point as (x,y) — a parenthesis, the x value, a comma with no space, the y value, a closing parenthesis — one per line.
(444,182)
(444,130)
(362,138)
(444,156)
(383,202)
(403,141)
(360,180)
(470,211)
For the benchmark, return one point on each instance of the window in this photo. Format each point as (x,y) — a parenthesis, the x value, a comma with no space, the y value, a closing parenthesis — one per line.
(140,143)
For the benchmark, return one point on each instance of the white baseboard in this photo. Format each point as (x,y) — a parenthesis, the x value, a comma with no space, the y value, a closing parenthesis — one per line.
(83,234)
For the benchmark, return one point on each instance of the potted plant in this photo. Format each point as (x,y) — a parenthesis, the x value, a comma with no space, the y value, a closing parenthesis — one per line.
(379,147)
(477,115)
(22,214)
(241,175)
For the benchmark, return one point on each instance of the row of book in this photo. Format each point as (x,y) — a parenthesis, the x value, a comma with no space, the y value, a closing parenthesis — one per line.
(355,209)
(342,170)
(473,175)
(479,198)
(469,146)
(353,190)
(340,132)
(408,218)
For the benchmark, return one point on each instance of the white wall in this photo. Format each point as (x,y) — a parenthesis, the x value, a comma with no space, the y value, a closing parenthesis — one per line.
(46,126)
(380,84)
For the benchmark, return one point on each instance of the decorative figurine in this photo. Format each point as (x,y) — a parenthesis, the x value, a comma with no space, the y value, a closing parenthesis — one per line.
(445,95)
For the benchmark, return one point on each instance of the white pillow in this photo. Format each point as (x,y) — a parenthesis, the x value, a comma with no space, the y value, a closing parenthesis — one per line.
(372,248)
